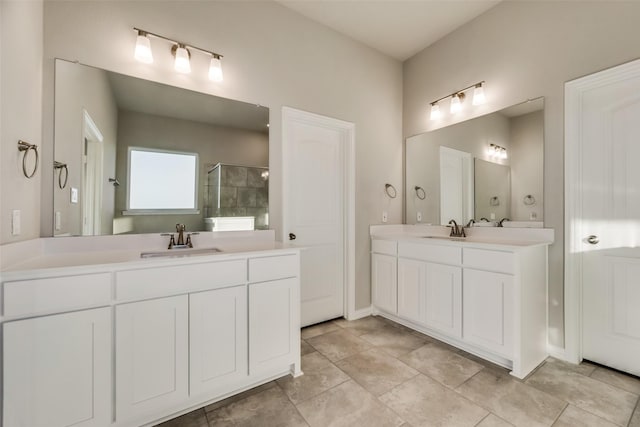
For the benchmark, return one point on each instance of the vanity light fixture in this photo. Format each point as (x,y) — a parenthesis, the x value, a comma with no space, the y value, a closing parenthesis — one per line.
(457,98)
(180,50)
(497,151)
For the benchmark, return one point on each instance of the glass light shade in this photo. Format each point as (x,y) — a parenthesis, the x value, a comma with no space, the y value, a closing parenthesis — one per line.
(142,52)
(435,112)
(503,153)
(215,70)
(478,96)
(182,64)
(456,105)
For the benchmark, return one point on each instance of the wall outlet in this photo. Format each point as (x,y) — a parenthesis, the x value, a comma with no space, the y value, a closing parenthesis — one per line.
(74,195)
(58,221)
(385,217)
(15,222)
(492,216)
(419,216)
(533,216)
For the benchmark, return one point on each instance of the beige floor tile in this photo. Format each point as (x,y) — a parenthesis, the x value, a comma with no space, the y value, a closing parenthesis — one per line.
(240,396)
(338,344)
(584,368)
(617,379)
(319,375)
(362,326)
(603,400)
(319,329)
(635,418)
(376,371)
(347,405)
(394,341)
(269,408)
(574,417)
(197,418)
(305,348)
(511,400)
(441,364)
(425,402)
(494,421)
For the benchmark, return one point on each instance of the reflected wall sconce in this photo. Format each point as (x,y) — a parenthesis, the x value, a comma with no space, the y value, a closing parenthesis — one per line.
(457,98)
(497,152)
(181,52)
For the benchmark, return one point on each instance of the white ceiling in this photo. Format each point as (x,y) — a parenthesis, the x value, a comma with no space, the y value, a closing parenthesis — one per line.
(398,28)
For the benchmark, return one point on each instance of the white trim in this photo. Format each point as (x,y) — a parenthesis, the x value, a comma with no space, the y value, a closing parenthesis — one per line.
(291,114)
(557,352)
(573,198)
(90,128)
(360,313)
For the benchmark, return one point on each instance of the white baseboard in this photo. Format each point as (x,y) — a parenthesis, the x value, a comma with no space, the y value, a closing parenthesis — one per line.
(557,352)
(359,314)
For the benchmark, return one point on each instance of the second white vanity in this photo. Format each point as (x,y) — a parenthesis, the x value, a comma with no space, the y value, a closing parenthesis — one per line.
(486,294)
(104,338)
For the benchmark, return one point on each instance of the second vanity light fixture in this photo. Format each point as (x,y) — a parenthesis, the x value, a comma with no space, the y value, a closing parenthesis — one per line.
(457,98)
(180,50)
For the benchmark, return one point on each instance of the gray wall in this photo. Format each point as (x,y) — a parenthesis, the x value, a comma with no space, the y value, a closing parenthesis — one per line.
(20,113)
(213,144)
(525,50)
(526,137)
(273,57)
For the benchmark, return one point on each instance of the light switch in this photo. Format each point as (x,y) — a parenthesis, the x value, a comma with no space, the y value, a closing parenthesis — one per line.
(58,220)
(15,222)
(492,216)
(74,195)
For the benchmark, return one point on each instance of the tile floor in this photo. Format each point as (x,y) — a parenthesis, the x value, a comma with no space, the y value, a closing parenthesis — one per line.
(373,372)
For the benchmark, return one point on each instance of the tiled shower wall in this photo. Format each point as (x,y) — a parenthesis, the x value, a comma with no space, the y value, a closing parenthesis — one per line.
(238,191)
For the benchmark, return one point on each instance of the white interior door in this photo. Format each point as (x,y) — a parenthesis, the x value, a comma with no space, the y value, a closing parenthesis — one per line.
(92,177)
(315,208)
(456,186)
(605,232)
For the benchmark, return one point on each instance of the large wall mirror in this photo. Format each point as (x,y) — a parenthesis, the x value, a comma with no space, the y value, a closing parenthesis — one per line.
(486,169)
(135,156)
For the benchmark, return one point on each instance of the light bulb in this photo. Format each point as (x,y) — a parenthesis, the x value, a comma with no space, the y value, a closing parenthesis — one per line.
(478,95)
(435,112)
(456,105)
(182,64)
(215,69)
(503,153)
(142,52)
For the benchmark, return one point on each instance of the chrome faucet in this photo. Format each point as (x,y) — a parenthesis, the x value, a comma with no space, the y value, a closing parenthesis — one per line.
(456,230)
(502,221)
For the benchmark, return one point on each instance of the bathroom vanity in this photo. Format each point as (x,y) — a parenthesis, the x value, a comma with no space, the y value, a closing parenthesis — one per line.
(486,293)
(106,338)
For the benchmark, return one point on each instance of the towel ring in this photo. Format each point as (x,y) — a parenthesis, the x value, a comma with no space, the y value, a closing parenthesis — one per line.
(529,200)
(494,201)
(420,190)
(390,190)
(115,182)
(61,166)
(25,147)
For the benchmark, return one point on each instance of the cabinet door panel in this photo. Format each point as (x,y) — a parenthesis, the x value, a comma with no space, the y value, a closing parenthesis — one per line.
(444,298)
(151,355)
(488,310)
(218,339)
(272,324)
(411,289)
(385,282)
(57,370)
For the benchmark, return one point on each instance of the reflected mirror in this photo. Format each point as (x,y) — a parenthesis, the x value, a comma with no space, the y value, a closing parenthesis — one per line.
(486,169)
(135,156)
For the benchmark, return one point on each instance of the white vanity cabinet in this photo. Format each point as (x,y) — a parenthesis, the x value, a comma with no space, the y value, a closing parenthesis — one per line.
(57,370)
(152,350)
(487,299)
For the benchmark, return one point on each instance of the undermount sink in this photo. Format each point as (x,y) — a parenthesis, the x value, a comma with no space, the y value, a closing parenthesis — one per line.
(454,239)
(177,253)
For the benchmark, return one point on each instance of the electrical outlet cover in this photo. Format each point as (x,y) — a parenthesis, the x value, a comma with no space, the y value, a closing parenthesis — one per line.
(384,216)
(419,216)
(74,195)
(15,222)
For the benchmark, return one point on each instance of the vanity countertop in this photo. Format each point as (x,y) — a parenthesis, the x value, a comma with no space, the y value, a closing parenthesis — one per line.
(41,256)
(477,237)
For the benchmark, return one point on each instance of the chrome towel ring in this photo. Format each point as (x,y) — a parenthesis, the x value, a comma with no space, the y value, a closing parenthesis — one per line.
(61,167)
(25,147)
(420,193)
(494,201)
(529,200)
(390,190)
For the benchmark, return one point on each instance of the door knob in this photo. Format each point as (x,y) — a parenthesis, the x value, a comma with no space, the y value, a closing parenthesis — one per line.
(593,240)
(292,236)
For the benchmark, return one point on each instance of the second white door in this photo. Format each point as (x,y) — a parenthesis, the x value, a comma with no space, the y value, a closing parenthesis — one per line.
(315,165)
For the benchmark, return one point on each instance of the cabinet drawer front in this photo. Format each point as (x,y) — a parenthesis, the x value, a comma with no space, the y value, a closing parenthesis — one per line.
(503,262)
(27,297)
(155,282)
(435,253)
(386,247)
(272,268)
